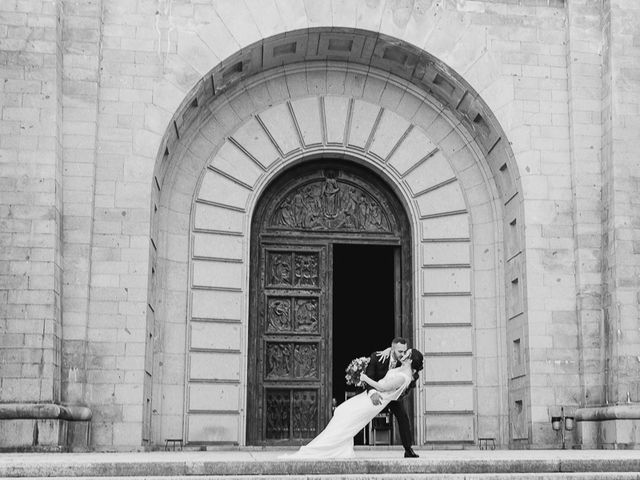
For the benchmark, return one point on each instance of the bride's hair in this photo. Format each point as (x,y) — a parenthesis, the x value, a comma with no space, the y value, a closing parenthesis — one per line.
(416,360)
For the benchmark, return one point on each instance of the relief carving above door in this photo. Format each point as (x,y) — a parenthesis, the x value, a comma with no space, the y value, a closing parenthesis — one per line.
(330,204)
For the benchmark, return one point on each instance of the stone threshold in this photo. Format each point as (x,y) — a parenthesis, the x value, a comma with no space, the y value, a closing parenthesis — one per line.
(381,463)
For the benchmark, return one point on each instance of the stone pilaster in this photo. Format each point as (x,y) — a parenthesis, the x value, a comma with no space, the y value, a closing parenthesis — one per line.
(615,424)
(622,175)
(584,63)
(31,211)
(81,44)
(31,202)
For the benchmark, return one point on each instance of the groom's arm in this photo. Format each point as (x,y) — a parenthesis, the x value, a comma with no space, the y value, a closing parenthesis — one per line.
(370,371)
(389,385)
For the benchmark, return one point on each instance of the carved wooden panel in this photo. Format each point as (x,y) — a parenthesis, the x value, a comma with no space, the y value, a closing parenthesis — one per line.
(277,410)
(291,391)
(286,270)
(306,311)
(304,408)
(279,269)
(305,361)
(278,360)
(330,204)
(296,361)
(291,315)
(279,315)
(291,414)
(306,270)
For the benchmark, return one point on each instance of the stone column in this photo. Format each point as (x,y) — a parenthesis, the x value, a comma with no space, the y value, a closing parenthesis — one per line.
(584,62)
(621,138)
(30,208)
(615,424)
(81,46)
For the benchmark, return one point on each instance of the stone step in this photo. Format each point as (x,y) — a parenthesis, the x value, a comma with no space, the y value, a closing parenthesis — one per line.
(374,464)
(385,476)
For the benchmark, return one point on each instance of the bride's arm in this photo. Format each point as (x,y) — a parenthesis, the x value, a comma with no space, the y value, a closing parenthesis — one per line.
(388,386)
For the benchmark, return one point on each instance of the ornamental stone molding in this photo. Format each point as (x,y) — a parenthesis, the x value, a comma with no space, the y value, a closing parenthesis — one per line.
(438,168)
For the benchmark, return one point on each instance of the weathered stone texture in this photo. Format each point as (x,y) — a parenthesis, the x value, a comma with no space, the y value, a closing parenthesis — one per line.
(98,101)
(585,84)
(620,171)
(30,202)
(81,44)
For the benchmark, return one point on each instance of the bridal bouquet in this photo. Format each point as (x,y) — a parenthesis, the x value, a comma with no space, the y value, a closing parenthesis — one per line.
(355,368)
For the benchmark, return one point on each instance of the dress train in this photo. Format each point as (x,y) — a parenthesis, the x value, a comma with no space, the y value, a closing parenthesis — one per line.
(351,416)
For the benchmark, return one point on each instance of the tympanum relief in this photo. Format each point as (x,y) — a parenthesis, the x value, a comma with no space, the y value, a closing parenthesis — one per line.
(329,204)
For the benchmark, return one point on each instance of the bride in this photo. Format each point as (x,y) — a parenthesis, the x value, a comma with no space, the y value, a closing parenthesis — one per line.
(351,416)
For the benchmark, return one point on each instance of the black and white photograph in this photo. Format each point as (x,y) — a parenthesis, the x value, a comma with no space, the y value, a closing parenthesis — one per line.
(320,239)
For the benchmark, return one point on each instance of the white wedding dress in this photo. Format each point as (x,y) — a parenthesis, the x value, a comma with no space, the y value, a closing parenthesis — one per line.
(336,440)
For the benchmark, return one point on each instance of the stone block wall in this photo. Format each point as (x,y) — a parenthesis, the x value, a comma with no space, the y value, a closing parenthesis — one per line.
(621,170)
(424,156)
(30,201)
(89,90)
(81,44)
(584,63)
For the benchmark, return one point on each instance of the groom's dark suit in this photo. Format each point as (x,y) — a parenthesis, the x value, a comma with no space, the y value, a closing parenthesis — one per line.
(378,369)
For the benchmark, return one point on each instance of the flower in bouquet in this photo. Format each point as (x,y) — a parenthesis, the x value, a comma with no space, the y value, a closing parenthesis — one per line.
(355,368)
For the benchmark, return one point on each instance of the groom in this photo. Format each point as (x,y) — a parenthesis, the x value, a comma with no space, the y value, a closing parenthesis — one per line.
(379,365)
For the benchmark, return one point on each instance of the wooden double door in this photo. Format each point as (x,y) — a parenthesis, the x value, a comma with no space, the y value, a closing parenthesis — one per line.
(300,220)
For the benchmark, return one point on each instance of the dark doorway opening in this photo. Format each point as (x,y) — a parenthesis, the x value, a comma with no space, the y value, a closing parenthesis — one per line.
(363,306)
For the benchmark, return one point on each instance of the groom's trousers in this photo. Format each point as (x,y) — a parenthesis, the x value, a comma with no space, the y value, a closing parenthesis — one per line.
(398,411)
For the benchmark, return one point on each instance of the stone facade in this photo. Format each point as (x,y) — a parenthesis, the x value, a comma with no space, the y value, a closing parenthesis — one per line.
(138,138)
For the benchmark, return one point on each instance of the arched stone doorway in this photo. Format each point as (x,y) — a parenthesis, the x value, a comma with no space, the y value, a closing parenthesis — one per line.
(303,327)
(444,157)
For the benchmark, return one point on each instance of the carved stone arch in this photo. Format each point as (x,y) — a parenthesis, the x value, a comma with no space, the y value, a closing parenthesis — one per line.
(454,174)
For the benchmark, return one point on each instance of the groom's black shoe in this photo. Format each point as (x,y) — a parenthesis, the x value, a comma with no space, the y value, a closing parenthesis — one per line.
(409,453)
